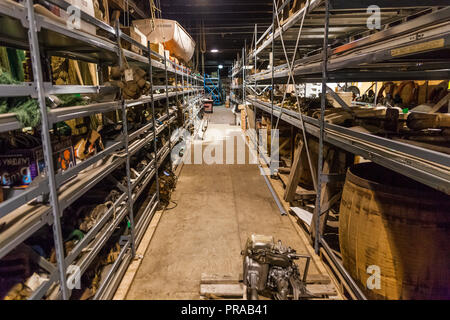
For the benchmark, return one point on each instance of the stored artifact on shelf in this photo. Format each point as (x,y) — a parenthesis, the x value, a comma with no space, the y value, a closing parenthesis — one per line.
(397,228)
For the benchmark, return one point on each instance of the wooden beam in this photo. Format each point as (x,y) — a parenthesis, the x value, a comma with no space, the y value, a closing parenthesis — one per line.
(440,104)
(325,196)
(294,176)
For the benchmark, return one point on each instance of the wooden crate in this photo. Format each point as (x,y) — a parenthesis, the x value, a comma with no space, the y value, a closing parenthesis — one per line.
(135,36)
(214,286)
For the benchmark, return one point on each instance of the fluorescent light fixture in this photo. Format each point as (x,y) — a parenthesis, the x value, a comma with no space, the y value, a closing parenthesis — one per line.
(214,50)
(220,66)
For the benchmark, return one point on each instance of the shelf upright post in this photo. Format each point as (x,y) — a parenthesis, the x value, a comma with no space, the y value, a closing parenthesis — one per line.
(150,68)
(182,95)
(126,143)
(255,54)
(176,87)
(231,86)
(167,102)
(272,68)
(254,108)
(47,147)
(375,101)
(322,126)
(243,76)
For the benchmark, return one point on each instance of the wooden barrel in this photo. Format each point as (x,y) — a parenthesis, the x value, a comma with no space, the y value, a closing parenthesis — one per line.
(399,225)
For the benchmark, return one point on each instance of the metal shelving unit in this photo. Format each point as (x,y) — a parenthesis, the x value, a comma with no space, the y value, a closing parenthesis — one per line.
(25,29)
(328,41)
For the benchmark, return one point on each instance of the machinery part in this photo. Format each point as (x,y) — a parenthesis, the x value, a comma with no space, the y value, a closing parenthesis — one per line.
(355,90)
(270,268)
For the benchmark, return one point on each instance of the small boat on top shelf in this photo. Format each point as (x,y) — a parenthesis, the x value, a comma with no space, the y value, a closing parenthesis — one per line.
(170,33)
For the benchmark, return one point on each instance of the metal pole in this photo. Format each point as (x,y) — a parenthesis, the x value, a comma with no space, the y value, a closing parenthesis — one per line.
(243,78)
(176,86)
(182,95)
(272,95)
(47,147)
(291,77)
(256,56)
(322,125)
(167,103)
(154,124)
(126,142)
(376,94)
(254,108)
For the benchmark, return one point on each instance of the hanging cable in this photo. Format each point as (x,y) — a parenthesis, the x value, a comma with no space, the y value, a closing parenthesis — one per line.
(291,76)
(203,46)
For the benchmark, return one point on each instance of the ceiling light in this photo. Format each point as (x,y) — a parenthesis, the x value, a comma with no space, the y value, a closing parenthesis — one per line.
(220,66)
(214,50)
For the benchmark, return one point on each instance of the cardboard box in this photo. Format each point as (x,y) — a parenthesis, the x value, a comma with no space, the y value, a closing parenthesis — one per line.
(63,155)
(133,35)
(167,57)
(157,47)
(18,168)
(142,37)
(243,120)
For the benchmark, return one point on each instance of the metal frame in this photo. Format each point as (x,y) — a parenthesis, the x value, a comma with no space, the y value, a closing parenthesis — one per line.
(31,218)
(357,57)
(212,87)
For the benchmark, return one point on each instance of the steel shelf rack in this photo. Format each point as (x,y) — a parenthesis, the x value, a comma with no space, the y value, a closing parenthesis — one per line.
(20,216)
(328,41)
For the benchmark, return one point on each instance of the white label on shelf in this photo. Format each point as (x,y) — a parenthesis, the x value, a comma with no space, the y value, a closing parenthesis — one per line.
(128,74)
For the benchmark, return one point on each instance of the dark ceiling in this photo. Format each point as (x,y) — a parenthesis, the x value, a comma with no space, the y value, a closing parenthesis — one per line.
(227,24)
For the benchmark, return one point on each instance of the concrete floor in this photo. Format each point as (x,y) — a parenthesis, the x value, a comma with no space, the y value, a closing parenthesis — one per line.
(219,206)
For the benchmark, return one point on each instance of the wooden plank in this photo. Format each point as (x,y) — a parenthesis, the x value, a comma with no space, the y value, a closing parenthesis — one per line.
(338,280)
(250,116)
(127,280)
(318,279)
(330,202)
(303,193)
(106,11)
(440,104)
(219,279)
(325,196)
(284,170)
(294,176)
(304,215)
(321,289)
(222,290)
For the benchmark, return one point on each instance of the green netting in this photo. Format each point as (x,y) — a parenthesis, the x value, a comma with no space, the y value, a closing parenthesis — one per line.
(68,100)
(27,109)
(16,58)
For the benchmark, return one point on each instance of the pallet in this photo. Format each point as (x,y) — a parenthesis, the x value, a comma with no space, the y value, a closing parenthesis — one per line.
(223,287)
(215,287)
